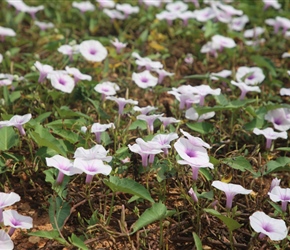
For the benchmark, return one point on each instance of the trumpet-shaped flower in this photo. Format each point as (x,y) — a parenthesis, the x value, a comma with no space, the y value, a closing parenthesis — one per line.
(17,121)
(32,10)
(196,141)
(6,79)
(254,33)
(107,89)
(97,152)
(146,62)
(280,118)
(205,14)
(92,167)
(193,195)
(191,114)
(127,9)
(114,14)
(64,165)
(203,91)
(84,6)
(168,16)
(6,32)
(270,135)
(118,45)
(285,91)
(69,50)
(162,74)
(178,6)
(280,194)
(185,16)
(245,88)
(275,229)
(144,79)
(43,69)
(238,23)
(224,73)
(164,140)
(7,200)
(275,182)
(149,119)
(250,75)
(106,3)
(93,51)
(121,102)
(144,110)
(13,219)
(98,129)
(189,58)
(5,241)
(230,190)
(61,80)
(168,120)
(43,25)
(271,3)
(77,74)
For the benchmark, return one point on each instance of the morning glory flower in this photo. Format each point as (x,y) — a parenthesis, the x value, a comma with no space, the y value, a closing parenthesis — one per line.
(7,200)
(77,74)
(17,121)
(92,167)
(98,128)
(145,150)
(245,88)
(5,241)
(164,140)
(6,32)
(254,33)
(178,6)
(230,190)
(69,50)
(285,91)
(191,114)
(43,25)
(238,23)
(250,75)
(205,14)
(144,110)
(43,69)
(19,5)
(121,102)
(97,152)
(146,62)
(13,219)
(162,74)
(106,3)
(93,51)
(32,10)
(64,165)
(270,135)
(149,119)
(6,79)
(280,118)
(221,42)
(84,6)
(193,195)
(224,74)
(203,91)
(229,10)
(275,229)
(62,81)
(280,194)
(107,89)
(185,95)
(196,141)
(144,79)
(275,182)
(168,120)
(114,14)
(127,9)
(271,3)
(168,16)
(188,58)
(118,45)
(185,16)
(1,58)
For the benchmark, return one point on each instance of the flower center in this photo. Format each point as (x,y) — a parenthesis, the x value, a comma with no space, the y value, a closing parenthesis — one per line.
(277,121)
(251,77)
(268,228)
(190,153)
(62,81)
(93,51)
(144,79)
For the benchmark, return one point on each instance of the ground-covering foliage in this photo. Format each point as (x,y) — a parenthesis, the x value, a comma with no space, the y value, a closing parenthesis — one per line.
(144,124)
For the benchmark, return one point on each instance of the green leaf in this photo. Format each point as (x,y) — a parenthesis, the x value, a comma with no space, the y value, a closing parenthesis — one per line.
(42,117)
(287,149)
(78,242)
(9,138)
(197,241)
(14,96)
(138,124)
(277,165)
(239,163)
(206,76)
(206,173)
(264,62)
(221,99)
(201,127)
(58,211)
(155,213)
(129,186)
(229,222)
(52,235)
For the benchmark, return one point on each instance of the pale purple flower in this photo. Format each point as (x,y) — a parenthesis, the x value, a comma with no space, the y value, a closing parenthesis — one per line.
(13,219)
(64,165)
(144,110)
(155,3)
(93,51)
(203,91)
(285,91)
(284,23)
(19,5)
(7,200)
(84,6)
(146,62)
(185,16)
(250,75)
(196,141)
(106,3)
(164,140)
(221,42)
(145,150)
(168,16)
(193,195)
(275,182)
(280,118)
(84,129)
(162,73)
(191,114)
(254,33)
(62,81)
(32,10)
(43,25)
(6,79)
(144,79)
(69,50)
(6,32)
(98,128)
(127,9)
(1,58)
(149,120)
(97,152)
(238,23)
(229,10)
(168,120)
(177,6)
(255,42)
(270,135)
(5,241)
(285,55)
(43,69)
(224,74)
(114,14)
(118,45)
(271,3)
(245,88)
(205,14)
(121,102)
(107,89)
(280,194)
(77,74)
(230,190)
(17,121)
(188,58)
(92,167)
(275,229)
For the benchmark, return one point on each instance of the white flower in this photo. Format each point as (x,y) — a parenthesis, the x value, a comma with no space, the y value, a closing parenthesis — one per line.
(84,6)
(93,51)
(62,81)
(144,79)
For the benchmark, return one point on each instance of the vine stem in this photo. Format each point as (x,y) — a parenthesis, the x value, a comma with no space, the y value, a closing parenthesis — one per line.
(111,209)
